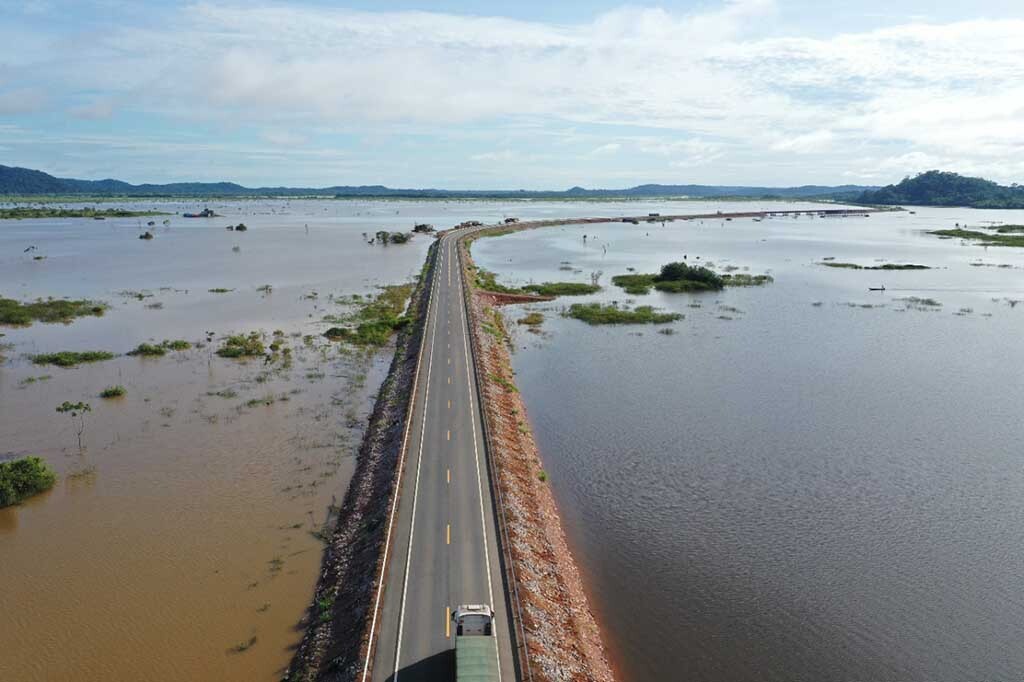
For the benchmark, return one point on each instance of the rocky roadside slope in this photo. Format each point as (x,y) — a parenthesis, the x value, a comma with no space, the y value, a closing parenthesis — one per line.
(337,626)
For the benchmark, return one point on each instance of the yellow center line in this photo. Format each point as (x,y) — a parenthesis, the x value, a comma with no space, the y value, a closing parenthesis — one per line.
(449,380)
(449,475)
(449,434)
(449,404)
(448,534)
(449,361)
(447,622)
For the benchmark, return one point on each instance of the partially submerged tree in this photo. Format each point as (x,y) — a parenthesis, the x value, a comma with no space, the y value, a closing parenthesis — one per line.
(76,411)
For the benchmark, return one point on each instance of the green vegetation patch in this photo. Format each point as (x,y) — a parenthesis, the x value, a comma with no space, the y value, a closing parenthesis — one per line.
(114,392)
(531,319)
(376,319)
(241,346)
(562,289)
(886,266)
(745,280)
(67,358)
(985,238)
(485,279)
(20,212)
(148,350)
(52,310)
(636,285)
(612,313)
(160,349)
(23,478)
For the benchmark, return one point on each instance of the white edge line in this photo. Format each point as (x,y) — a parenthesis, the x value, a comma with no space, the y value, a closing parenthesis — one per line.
(394,505)
(415,496)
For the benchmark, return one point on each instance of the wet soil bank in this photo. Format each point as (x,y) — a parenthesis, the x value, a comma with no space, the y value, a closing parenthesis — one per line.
(337,624)
(557,635)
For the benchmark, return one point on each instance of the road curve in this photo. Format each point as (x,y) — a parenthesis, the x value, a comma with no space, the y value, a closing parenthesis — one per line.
(442,549)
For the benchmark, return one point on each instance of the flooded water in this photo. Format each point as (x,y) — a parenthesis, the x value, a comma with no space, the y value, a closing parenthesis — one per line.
(807,480)
(183,531)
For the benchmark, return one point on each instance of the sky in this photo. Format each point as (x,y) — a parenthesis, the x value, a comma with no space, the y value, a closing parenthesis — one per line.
(535,95)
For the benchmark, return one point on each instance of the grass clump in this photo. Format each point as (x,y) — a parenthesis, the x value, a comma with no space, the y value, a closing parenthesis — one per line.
(531,319)
(14,312)
(160,349)
(23,478)
(612,313)
(241,346)
(68,358)
(745,280)
(114,392)
(635,285)
(920,303)
(485,279)
(148,350)
(562,289)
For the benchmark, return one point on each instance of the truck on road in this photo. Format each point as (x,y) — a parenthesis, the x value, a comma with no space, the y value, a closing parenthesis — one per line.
(476,654)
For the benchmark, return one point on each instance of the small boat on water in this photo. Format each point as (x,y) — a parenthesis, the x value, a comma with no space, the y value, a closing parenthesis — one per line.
(881,288)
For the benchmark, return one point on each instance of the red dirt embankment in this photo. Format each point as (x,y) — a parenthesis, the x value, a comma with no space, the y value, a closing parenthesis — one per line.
(562,638)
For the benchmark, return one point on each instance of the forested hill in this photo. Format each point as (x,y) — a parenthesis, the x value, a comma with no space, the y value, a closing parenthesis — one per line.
(26,182)
(936,188)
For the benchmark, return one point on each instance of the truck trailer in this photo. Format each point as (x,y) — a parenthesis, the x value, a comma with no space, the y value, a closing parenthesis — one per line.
(476,653)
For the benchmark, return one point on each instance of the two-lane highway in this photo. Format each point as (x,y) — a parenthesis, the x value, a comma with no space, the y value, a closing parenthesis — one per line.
(442,548)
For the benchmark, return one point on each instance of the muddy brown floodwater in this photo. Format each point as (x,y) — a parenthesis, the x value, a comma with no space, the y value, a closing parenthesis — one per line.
(179,545)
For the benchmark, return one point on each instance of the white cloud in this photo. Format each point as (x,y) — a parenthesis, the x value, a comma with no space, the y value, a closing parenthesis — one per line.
(22,101)
(718,89)
(606,149)
(95,110)
(284,138)
(503,155)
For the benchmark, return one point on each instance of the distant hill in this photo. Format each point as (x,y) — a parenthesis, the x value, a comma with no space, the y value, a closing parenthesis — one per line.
(937,188)
(26,182)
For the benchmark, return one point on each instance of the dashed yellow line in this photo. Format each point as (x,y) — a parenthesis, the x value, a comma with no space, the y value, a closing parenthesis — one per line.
(449,475)
(449,404)
(447,622)
(449,434)
(448,534)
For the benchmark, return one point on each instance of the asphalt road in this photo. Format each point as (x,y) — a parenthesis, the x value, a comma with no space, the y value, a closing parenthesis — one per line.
(443,546)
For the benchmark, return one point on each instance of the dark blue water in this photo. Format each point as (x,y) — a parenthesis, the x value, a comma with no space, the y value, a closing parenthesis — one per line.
(799,492)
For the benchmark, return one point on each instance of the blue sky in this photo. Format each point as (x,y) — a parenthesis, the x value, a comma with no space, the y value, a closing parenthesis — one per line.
(464,94)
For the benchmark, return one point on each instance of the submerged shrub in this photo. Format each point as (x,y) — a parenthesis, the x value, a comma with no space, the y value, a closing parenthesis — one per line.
(239,346)
(67,358)
(22,478)
(114,392)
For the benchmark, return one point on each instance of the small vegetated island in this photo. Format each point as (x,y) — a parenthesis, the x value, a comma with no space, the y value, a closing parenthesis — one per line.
(884,266)
(486,280)
(23,478)
(375,319)
(16,313)
(614,313)
(23,212)
(681,277)
(1004,235)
